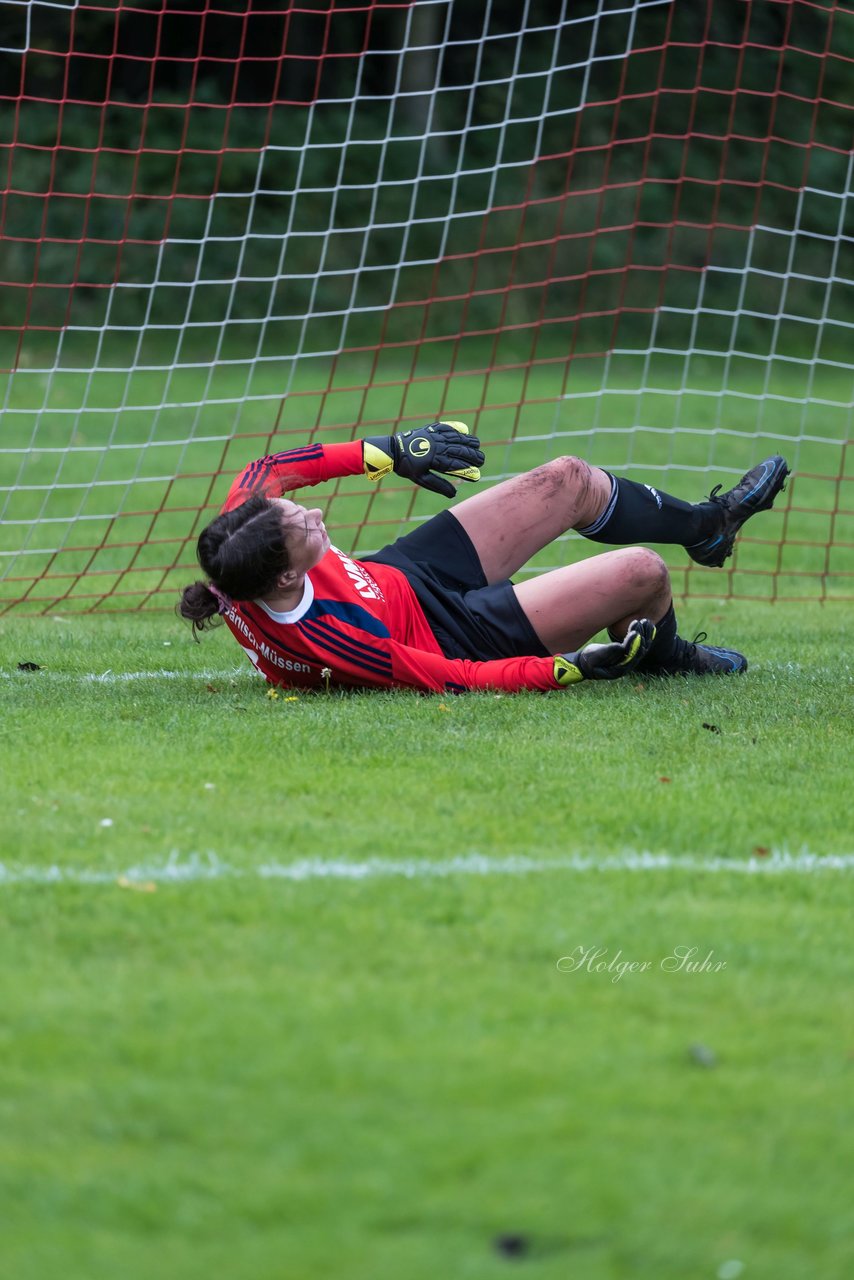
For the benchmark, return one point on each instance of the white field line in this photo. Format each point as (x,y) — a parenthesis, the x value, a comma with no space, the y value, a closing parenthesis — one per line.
(193,867)
(841,675)
(122,677)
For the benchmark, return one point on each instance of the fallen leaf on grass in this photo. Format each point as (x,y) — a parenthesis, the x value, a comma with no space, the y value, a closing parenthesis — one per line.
(138,886)
(713,728)
(29,666)
(664,779)
(761,850)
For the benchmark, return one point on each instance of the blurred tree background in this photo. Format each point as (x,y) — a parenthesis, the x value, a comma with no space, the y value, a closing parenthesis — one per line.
(339,159)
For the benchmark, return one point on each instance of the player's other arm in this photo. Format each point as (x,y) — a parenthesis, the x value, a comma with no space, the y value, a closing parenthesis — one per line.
(417,454)
(414,668)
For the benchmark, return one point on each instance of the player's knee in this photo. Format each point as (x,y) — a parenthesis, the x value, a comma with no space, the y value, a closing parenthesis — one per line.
(565,472)
(572,471)
(587,488)
(649,569)
(577,488)
(573,476)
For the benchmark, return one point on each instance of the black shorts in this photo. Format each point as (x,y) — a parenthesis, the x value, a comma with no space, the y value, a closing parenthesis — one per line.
(469,617)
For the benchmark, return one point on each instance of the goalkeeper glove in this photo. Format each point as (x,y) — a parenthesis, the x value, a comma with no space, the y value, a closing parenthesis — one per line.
(606,661)
(416,454)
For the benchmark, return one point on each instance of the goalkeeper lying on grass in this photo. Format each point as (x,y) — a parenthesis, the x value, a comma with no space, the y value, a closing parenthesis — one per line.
(435,610)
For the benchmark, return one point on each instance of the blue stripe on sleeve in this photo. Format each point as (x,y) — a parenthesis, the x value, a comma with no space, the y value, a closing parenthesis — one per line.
(306,454)
(358,655)
(252,476)
(277,643)
(250,473)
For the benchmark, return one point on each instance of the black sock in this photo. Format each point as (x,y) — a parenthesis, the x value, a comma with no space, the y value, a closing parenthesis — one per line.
(664,643)
(661,649)
(638,513)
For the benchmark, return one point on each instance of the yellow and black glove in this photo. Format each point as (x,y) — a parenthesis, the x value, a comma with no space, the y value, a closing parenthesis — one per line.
(416,454)
(606,661)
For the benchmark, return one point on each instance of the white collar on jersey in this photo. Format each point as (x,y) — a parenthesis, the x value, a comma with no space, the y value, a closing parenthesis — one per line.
(292,615)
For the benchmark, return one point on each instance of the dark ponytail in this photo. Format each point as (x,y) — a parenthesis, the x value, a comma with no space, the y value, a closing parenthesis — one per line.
(199,605)
(243,553)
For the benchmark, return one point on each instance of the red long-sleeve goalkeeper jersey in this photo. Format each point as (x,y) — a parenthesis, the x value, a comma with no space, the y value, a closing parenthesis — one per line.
(357,624)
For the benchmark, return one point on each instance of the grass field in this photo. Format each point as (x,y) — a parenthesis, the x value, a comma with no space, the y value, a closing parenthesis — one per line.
(285,985)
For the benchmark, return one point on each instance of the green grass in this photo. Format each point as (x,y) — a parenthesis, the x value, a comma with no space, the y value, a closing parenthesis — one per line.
(377,1078)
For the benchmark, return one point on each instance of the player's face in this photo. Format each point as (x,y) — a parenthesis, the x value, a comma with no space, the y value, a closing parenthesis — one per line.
(305,535)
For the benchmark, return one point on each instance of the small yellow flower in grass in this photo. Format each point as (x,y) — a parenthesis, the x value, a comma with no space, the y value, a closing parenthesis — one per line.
(443,707)
(273,694)
(293,699)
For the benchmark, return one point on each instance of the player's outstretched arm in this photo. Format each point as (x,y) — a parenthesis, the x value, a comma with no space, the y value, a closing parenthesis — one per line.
(607,661)
(279,473)
(416,454)
(441,446)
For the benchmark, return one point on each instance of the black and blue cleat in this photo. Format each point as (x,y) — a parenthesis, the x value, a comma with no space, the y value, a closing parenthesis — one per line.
(755,492)
(690,657)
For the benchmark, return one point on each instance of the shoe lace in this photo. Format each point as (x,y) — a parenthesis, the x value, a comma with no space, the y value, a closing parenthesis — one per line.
(713,496)
(691,645)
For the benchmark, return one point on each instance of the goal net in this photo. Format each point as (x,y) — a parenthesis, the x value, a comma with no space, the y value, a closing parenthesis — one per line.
(618,230)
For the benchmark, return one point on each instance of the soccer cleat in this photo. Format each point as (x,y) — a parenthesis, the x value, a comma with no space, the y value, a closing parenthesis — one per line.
(754,492)
(691,657)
